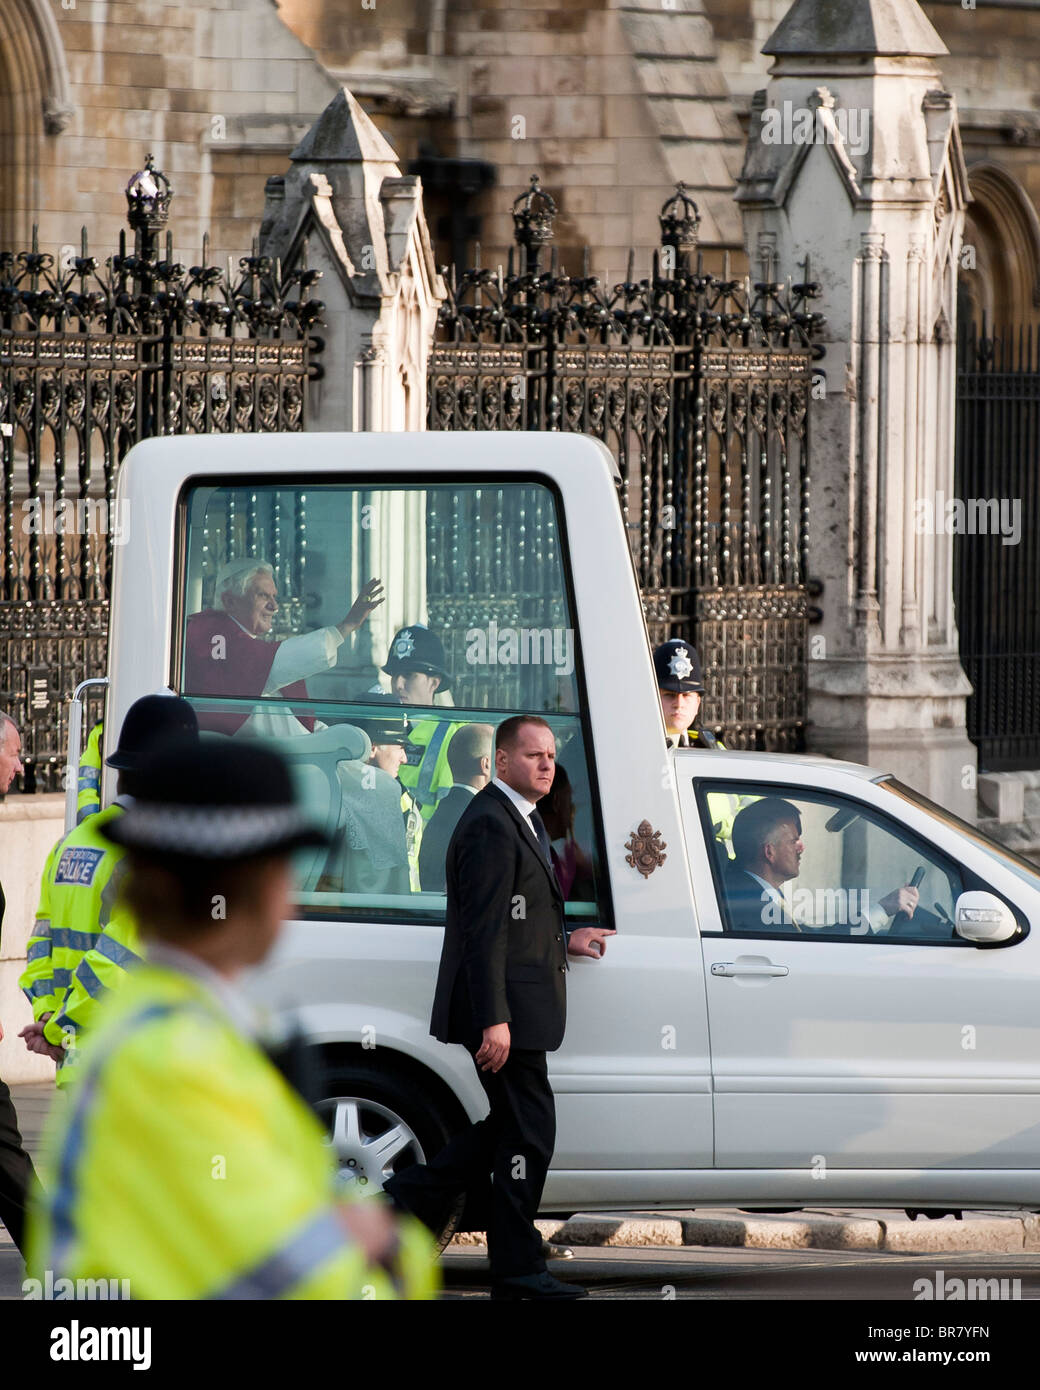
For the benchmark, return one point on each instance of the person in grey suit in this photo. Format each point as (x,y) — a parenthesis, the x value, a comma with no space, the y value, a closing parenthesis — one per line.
(469,757)
(501,993)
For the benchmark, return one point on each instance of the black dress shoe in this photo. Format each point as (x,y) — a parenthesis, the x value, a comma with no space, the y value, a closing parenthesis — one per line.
(536,1286)
(556,1252)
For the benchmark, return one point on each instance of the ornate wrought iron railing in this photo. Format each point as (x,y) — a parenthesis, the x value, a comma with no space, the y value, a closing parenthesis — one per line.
(701,387)
(94,358)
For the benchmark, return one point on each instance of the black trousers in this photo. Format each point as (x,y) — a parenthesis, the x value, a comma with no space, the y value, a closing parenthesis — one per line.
(17,1174)
(500,1163)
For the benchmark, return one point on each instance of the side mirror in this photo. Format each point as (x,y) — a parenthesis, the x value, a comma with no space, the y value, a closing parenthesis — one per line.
(983,918)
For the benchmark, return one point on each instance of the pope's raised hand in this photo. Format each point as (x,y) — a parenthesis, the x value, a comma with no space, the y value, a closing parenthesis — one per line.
(370,597)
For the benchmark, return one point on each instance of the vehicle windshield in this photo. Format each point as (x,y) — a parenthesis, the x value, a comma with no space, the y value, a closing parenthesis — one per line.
(1025,870)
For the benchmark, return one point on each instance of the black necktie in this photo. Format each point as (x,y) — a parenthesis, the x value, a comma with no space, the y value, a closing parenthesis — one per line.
(542,836)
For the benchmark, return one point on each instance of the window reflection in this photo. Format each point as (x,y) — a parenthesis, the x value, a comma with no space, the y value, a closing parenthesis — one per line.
(376,638)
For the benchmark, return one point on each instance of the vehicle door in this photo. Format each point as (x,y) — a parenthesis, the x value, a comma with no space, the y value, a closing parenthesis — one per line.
(844,1032)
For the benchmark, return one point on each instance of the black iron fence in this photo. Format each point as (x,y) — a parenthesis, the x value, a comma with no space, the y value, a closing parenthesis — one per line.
(701,386)
(93,359)
(995,521)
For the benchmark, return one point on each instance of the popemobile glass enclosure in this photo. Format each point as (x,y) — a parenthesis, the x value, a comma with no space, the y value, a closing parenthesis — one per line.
(269,573)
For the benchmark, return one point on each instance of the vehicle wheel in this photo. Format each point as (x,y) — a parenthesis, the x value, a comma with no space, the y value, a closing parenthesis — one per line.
(377,1126)
(933,1213)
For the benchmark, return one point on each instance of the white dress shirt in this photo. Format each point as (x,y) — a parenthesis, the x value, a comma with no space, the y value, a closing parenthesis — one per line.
(521,803)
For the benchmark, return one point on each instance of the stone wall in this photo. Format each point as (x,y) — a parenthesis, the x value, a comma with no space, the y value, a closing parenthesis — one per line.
(219,91)
(609,103)
(29,826)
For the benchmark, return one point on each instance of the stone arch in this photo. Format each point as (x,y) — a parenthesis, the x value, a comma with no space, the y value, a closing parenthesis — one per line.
(35,102)
(1003,227)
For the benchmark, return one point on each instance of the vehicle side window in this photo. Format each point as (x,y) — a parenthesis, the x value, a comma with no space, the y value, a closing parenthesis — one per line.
(376,638)
(817,864)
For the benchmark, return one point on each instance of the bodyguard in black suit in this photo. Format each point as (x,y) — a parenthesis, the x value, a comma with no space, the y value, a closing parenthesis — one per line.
(501,992)
(469,757)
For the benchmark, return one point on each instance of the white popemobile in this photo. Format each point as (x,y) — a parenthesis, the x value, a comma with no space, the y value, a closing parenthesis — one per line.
(831,1052)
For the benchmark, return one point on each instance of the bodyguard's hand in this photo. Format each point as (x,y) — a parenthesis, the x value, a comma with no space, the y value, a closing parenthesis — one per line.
(589,941)
(494,1050)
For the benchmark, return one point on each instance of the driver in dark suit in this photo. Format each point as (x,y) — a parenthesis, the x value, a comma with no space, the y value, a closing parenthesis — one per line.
(501,992)
(767,850)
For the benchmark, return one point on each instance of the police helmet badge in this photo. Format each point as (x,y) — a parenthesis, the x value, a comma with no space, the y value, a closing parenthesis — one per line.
(405,645)
(680,664)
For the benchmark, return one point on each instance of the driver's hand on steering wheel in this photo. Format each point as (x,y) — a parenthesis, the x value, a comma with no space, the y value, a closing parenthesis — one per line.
(903,899)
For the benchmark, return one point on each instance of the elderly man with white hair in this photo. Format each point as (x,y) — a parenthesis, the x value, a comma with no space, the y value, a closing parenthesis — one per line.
(227,653)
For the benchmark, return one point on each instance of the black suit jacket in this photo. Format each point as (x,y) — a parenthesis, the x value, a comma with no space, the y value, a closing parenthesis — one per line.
(504,957)
(751,908)
(433,848)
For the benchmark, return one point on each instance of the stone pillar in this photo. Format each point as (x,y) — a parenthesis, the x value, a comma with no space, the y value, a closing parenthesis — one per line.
(854,159)
(365,230)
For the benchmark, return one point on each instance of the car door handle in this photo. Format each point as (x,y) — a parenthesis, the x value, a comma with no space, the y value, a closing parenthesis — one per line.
(731,968)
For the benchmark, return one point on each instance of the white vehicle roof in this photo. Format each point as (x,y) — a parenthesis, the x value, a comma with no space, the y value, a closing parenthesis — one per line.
(772,764)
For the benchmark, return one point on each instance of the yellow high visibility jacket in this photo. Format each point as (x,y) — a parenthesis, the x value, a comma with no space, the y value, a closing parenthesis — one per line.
(78,894)
(426,775)
(88,794)
(183,1163)
(104,968)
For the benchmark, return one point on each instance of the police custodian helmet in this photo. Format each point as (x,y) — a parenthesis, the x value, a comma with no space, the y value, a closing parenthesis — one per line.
(678,667)
(416,648)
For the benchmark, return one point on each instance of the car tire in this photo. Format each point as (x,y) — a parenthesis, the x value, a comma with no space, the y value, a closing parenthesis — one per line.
(366,1107)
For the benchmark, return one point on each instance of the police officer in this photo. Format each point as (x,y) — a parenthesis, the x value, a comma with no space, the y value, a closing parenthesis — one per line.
(81,883)
(679,681)
(417,671)
(88,789)
(184,1163)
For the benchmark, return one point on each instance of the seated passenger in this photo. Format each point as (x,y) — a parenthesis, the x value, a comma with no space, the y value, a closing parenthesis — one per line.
(573,866)
(227,652)
(372,855)
(469,757)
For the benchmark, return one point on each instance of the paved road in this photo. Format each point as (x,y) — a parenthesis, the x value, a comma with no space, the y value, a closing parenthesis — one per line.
(698,1272)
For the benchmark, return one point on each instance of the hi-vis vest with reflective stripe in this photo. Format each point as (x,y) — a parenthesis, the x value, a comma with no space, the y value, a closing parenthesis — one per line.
(428,777)
(88,789)
(103,969)
(77,897)
(182,1162)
